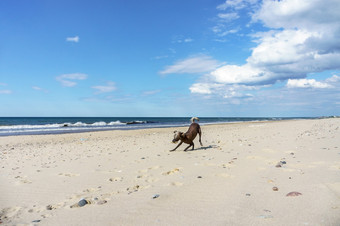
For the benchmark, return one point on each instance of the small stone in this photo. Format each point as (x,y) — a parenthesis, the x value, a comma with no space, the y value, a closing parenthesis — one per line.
(199,177)
(36,221)
(278,165)
(275,188)
(247,194)
(49,207)
(155,196)
(82,203)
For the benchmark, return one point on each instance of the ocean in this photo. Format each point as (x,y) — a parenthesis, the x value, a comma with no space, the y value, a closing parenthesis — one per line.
(11,126)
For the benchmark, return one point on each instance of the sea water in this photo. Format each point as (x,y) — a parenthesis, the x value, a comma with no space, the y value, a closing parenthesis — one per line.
(53,125)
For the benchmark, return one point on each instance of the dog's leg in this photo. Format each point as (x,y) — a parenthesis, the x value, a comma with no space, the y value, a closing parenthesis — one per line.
(177,146)
(200,134)
(192,144)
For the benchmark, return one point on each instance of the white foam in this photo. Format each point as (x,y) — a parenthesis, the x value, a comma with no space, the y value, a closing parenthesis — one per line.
(116,123)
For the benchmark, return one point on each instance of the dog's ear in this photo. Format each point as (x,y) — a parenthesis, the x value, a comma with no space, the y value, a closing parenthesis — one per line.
(182,134)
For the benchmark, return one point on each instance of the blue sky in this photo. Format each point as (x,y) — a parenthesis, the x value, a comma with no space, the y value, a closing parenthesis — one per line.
(169,58)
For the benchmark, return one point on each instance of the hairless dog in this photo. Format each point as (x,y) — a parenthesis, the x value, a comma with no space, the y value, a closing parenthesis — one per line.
(189,136)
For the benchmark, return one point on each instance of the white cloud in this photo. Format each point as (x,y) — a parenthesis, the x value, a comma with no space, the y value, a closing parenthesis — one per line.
(302,40)
(67,80)
(312,83)
(5,91)
(181,39)
(306,83)
(192,65)
(307,14)
(36,88)
(236,4)
(151,92)
(109,87)
(204,88)
(333,80)
(72,39)
(228,16)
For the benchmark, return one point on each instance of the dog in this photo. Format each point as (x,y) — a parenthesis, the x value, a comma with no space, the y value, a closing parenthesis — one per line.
(189,136)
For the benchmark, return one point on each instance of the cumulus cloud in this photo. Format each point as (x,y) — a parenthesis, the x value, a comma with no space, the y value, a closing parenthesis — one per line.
(69,80)
(312,83)
(73,39)
(306,83)
(193,65)
(109,87)
(204,88)
(302,39)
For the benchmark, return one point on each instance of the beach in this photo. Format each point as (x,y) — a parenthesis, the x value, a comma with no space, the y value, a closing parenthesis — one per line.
(248,173)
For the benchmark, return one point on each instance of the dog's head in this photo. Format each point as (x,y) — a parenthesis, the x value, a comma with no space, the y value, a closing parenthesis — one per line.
(177,136)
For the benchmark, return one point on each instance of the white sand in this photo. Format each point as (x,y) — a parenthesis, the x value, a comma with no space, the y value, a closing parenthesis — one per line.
(131,178)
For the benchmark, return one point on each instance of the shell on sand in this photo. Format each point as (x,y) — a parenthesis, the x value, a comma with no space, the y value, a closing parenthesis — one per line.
(294,193)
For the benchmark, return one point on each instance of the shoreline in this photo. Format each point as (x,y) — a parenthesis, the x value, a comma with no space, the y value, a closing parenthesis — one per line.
(99,129)
(243,174)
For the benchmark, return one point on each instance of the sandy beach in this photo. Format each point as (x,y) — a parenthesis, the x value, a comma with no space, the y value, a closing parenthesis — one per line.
(251,173)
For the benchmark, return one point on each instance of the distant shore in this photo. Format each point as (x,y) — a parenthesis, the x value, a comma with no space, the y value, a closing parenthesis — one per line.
(253,173)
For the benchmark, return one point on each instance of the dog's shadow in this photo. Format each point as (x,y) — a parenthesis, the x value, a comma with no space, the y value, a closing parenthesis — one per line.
(204,148)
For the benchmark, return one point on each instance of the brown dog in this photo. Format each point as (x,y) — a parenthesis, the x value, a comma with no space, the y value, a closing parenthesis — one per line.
(189,136)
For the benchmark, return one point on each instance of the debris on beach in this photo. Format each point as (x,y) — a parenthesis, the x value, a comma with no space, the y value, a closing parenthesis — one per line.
(133,189)
(155,196)
(171,171)
(81,203)
(279,164)
(293,193)
(275,188)
(50,207)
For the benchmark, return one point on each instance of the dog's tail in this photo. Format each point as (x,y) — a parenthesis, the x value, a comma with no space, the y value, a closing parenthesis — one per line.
(193,119)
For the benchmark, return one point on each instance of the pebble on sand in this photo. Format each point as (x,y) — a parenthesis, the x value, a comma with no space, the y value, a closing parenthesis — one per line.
(293,193)
(155,196)
(275,188)
(82,202)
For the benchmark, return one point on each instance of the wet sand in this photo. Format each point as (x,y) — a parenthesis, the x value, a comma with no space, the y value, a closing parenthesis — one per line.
(253,173)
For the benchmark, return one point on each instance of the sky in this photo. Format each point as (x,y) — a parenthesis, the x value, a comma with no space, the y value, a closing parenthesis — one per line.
(218,58)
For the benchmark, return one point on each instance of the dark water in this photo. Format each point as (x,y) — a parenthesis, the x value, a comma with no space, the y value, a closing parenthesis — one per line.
(52,125)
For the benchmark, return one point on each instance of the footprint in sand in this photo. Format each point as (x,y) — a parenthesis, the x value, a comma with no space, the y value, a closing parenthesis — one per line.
(176,184)
(225,175)
(115,179)
(22,180)
(133,189)
(148,169)
(9,213)
(69,174)
(176,170)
